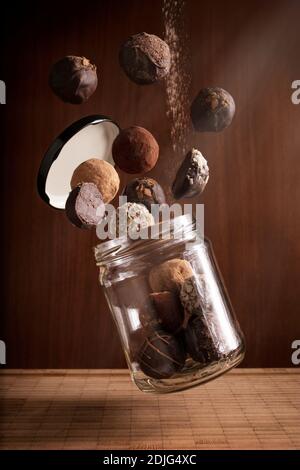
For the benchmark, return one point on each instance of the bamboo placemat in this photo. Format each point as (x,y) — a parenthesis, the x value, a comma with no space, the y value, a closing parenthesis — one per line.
(102,409)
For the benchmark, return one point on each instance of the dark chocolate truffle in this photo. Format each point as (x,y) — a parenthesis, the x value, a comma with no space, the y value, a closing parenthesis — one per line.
(169,309)
(212,110)
(135,150)
(192,175)
(144,191)
(199,343)
(73,79)
(136,341)
(161,356)
(84,206)
(145,58)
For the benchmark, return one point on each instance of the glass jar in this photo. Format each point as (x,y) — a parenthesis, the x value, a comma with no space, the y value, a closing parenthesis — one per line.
(171,308)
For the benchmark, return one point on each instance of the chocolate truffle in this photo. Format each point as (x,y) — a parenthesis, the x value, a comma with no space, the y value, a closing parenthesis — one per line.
(148,317)
(170,275)
(194,296)
(144,191)
(73,79)
(169,310)
(199,343)
(101,173)
(145,58)
(135,150)
(130,218)
(212,110)
(84,206)
(192,175)
(161,356)
(136,341)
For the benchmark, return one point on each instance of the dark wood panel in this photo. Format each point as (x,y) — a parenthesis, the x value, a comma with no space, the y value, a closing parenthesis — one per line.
(54,313)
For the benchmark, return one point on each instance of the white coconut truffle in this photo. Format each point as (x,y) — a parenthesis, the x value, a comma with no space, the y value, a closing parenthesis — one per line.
(130,219)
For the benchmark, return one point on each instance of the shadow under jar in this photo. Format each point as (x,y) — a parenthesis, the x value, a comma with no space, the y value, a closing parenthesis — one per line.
(171,308)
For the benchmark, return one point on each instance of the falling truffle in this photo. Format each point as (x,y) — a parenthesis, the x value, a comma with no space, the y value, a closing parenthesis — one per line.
(169,310)
(144,191)
(161,356)
(192,176)
(130,218)
(212,110)
(199,343)
(170,275)
(84,206)
(135,150)
(145,58)
(101,173)
(73,79)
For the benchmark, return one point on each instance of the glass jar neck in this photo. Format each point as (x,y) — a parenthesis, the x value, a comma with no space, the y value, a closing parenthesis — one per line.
(162,236)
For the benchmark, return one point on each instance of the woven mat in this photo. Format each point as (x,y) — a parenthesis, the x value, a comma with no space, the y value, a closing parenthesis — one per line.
(102,409)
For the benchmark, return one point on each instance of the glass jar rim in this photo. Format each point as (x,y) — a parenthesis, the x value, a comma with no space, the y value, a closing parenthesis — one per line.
(179,229)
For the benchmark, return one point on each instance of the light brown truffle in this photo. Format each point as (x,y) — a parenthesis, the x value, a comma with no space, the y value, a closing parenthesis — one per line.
(99,172)
(170,275)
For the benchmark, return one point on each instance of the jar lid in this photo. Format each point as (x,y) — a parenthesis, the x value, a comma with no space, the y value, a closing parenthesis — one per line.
(90,137)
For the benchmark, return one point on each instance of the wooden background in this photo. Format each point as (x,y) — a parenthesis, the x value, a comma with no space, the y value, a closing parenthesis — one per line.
(53,311)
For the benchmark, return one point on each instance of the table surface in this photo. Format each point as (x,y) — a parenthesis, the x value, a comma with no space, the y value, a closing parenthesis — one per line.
(102,409)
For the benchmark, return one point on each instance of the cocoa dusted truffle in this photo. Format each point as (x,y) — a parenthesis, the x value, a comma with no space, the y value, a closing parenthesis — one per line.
(212,110)
(161,356)
(170,275)
(135,150)
(145,58)
(192,175)
(84,206)
(199,343)
(73,79)
(169,310)
(99,172)
(145,191)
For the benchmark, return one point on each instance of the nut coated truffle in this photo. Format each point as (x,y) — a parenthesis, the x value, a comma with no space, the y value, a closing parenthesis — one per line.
(84,206)
(135,150)
(192,175)
(161,356)
(194,295)
(145,191)
(170,275)
(212,110)
(130,218)
(145,58)
(99,172)
(73,79)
